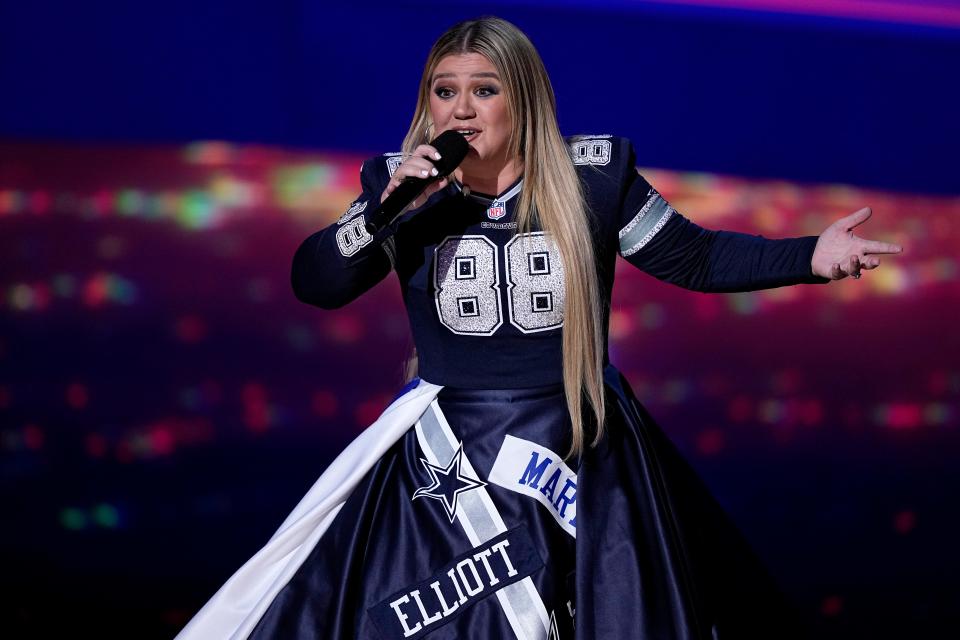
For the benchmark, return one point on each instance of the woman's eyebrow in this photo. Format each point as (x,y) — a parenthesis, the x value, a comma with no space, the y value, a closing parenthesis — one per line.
(480,74)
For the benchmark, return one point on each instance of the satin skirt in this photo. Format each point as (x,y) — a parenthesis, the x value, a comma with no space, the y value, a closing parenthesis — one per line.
(475,523)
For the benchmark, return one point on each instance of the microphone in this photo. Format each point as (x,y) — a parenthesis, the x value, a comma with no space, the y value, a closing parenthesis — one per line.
(452,148)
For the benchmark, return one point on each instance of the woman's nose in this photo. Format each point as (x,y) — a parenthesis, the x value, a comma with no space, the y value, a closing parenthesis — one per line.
(464,108)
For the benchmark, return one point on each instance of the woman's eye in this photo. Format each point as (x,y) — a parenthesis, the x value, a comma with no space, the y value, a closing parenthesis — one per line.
(443,92)
(484,92)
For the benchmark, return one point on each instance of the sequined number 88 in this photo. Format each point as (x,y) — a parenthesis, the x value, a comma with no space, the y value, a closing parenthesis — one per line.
(468,291)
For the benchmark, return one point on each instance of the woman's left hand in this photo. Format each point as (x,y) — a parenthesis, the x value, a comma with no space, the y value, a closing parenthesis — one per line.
(839,253)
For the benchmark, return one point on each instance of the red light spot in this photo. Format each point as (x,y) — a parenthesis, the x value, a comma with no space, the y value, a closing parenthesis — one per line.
(904,522)
(33,437)
(345,328)
(904,416)
(710,441)
(102,202)
(707,307)
(95,290)
(324,404)
(41,296)
(5,398)
(831,606)
(77,396)
(256,412)
(39,202)
(96,445)
(257,418)
(162,441)
(190,329)
(811,412)
(739,409)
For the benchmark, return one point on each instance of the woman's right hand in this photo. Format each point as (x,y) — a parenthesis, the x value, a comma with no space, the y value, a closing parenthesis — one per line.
(418,165)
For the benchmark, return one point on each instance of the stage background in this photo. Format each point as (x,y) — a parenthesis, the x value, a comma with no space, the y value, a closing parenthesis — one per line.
(165,401)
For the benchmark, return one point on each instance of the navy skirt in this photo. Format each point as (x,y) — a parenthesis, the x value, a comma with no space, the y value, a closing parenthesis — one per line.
(473,525)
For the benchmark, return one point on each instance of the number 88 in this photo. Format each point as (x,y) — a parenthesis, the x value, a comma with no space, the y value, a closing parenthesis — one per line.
(467,288)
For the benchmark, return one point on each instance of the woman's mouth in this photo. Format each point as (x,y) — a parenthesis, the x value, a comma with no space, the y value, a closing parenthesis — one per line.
(468,134)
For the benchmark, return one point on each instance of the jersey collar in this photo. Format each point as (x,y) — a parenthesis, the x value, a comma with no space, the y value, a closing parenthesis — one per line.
(511,191)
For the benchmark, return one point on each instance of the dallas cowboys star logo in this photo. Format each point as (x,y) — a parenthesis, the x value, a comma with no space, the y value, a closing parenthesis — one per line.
(447,483)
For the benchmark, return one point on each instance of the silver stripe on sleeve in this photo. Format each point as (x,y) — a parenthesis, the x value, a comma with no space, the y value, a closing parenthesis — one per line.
(649,220)
(481,521)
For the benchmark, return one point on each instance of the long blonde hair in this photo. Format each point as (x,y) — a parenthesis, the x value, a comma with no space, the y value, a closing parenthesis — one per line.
(551,195)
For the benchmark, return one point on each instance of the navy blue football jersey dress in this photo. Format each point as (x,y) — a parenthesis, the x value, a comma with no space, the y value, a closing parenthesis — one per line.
(457,514)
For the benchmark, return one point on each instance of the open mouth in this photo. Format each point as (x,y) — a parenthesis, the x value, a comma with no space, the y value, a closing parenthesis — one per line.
(468,134)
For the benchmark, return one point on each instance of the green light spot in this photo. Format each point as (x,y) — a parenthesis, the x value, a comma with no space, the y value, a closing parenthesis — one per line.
(125,291)
(106,516)
(196,210)
(73,519)
(743,303)
(129,202)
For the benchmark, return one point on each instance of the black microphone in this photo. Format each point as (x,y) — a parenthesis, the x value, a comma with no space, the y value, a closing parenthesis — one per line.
(453,148)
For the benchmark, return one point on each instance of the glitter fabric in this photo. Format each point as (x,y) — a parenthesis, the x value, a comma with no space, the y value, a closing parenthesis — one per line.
(594,151)
(467,284)
(355,208)
(352,237)
(535,282)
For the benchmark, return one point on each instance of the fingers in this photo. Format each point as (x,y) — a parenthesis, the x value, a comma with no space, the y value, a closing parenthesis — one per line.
(851,266)
(416,166)
(856,218)
(873,246)
(427,151)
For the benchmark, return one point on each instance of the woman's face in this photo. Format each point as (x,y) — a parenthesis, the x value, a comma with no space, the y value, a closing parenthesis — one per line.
(466,95)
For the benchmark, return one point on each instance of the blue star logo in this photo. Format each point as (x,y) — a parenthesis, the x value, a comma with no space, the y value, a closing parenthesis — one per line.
(447,483)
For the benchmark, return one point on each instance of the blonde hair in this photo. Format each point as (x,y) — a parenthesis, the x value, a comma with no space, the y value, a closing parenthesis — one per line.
(551,195)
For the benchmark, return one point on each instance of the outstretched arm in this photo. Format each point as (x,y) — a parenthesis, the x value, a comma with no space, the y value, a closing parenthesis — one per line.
(668,246)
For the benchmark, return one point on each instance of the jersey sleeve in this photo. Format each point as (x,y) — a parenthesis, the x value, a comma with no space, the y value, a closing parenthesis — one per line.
(655,237)
(336,264)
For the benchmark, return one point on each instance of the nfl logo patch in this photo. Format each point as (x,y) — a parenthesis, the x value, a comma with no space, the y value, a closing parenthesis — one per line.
(496,210)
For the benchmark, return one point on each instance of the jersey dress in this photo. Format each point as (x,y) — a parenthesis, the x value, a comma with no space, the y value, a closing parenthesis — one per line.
(457,514)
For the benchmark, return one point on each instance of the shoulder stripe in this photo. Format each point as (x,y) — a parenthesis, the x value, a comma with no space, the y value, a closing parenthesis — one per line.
(649,220)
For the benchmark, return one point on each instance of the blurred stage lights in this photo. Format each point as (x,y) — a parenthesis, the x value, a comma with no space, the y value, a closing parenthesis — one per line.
(258,414)
(99,289)
(158,439)
(27,438)
(100,516)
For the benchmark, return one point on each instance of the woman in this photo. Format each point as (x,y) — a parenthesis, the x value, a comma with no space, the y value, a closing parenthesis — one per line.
(516,488)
